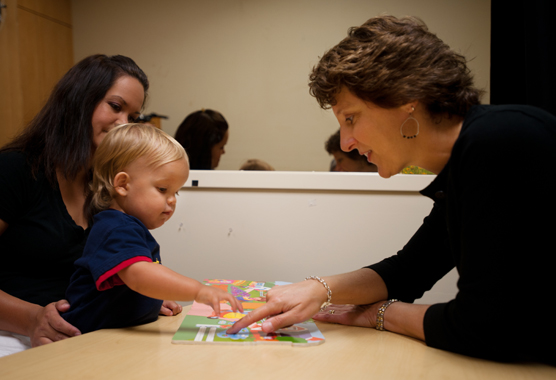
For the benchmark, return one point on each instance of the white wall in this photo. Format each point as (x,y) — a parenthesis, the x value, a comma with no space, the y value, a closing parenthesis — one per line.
(268,226)
(250,60)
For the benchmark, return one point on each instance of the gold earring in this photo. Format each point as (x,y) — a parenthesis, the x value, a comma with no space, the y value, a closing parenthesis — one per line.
(410,117)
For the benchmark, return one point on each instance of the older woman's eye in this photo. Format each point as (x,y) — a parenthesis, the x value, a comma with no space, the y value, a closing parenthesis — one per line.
(349,119)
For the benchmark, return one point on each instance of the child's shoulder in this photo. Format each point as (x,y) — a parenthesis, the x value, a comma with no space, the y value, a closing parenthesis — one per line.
(113,219)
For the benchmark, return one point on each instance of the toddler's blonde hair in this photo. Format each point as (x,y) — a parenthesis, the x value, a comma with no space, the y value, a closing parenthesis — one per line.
(123,145)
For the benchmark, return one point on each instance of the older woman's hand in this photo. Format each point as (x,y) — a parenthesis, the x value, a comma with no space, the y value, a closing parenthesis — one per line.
(352,315)
(49,326)
(286,305)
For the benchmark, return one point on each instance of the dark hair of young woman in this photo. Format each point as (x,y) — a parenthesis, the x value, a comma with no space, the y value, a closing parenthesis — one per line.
(60,135)
(198,133)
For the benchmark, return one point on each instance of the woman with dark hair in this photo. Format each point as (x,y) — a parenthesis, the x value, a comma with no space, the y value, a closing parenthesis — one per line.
(44,213)
(203,134)
(403,97)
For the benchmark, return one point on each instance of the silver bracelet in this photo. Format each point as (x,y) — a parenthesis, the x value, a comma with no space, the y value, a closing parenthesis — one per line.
(380,314)
(328,291)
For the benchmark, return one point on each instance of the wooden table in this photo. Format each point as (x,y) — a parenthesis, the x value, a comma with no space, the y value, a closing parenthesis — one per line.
(146,352)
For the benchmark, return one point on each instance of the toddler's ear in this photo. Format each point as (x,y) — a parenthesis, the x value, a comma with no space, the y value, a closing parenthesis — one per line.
(121,183)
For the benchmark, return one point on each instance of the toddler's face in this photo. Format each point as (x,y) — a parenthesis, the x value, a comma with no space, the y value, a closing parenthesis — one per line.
(151,192)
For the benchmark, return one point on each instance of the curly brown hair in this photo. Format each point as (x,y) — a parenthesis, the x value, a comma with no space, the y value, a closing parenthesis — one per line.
(391,62)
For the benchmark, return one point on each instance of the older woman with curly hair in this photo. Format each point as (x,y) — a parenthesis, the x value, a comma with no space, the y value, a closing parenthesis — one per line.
(403,97)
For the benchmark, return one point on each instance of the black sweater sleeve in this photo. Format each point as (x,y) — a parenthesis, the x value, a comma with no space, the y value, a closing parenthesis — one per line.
(422,261)
(498,222)
(500,188)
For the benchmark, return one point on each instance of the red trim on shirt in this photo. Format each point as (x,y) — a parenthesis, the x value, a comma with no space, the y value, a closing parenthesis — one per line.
(110,278)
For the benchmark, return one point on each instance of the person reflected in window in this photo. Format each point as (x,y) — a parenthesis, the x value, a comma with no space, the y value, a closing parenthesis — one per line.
(203,134)
(350,161)
(256,164)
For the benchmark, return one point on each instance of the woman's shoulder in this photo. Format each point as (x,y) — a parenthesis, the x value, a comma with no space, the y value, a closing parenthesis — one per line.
(506,137)
(20,189)
(507,123)
(13,157)
(14,164)
(504,116)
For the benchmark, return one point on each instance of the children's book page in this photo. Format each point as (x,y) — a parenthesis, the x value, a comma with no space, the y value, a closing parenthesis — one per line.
(201,325)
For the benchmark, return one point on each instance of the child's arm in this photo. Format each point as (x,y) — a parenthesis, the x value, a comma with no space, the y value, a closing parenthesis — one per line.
(156,281)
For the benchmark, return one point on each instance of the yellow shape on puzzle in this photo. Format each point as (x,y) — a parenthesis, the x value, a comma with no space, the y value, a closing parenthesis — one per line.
(233,315)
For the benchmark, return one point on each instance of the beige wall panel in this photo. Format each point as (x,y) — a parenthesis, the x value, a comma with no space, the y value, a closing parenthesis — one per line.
(46,53)
(250,60)
(59,10)
(36,49)
(282,225)
(11,110)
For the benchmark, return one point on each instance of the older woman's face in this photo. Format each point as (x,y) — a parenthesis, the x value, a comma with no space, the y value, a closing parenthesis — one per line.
(374,131)
(121,104)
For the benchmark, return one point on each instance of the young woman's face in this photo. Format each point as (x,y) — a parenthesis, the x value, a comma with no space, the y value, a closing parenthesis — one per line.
(121,104)
(217,150)
(150,193)
(374,131)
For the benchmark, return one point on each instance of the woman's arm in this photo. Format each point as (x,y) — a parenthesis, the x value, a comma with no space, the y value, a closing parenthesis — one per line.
(289,304)
(3,226)
(298,302)
(359,287)
(404,318)
(42,324)
(156,281)
(399,317)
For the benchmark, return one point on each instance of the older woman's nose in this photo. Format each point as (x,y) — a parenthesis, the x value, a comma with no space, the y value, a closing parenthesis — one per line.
(347,141)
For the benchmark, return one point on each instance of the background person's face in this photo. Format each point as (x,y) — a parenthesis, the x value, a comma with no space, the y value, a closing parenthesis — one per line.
(218,150)
(346,164)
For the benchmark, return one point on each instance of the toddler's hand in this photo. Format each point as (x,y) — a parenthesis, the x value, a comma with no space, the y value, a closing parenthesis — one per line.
(212,297)
(170,308)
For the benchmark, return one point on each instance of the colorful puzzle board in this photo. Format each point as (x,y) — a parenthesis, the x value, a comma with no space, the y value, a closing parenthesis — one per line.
(201,325)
